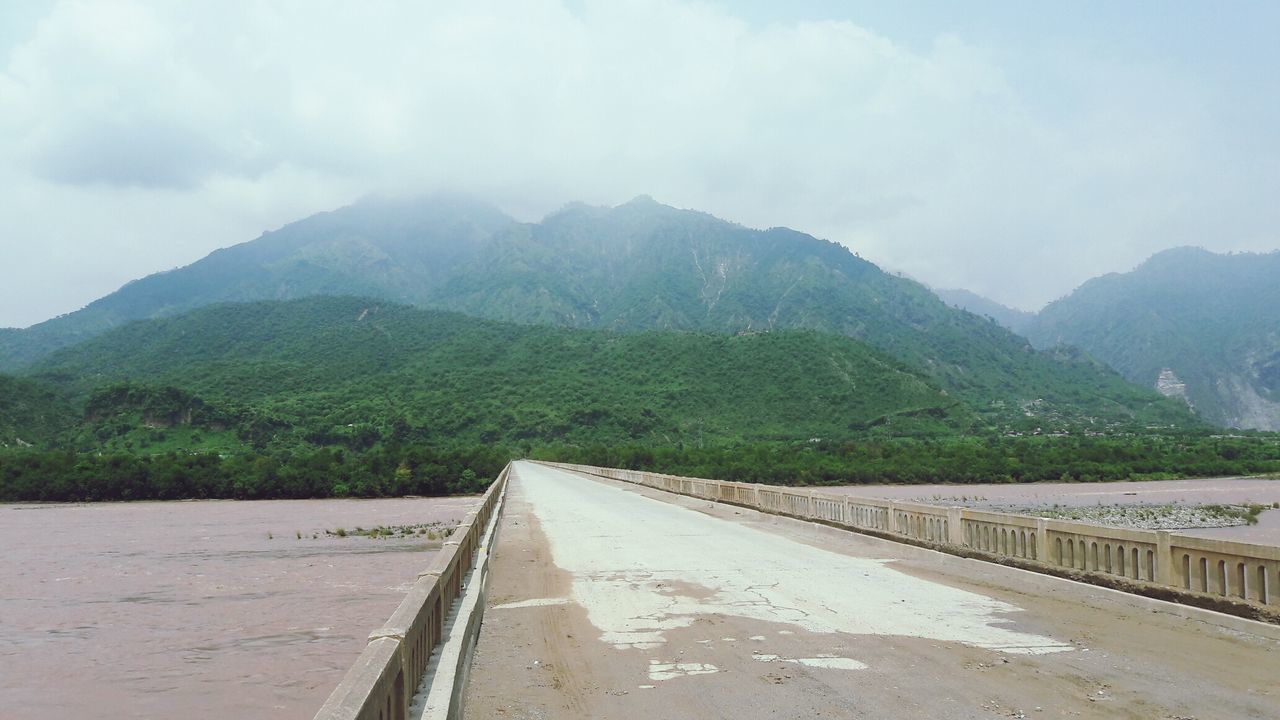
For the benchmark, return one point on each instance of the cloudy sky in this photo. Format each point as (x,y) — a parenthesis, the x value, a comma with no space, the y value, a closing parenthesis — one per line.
(1012,148)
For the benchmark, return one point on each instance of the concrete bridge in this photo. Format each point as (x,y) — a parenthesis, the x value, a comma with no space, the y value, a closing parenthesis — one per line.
(609,598)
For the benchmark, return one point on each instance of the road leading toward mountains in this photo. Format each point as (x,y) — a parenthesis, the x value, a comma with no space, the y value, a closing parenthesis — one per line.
(611,601)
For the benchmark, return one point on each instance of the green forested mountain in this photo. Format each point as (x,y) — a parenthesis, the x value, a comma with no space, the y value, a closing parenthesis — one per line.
(349,396)
(639,266)
(1202,326)
(397,250)
(1011,318)
(645,265)
(355,372)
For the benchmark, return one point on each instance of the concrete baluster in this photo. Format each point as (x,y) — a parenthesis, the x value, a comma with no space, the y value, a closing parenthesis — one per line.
(955,526)
(1042,539)
(1164,558)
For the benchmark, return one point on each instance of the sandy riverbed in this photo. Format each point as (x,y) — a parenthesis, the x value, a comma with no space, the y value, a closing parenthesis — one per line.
(1226,491)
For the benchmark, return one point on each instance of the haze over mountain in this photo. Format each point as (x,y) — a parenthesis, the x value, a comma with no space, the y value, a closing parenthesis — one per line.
(137,137)
(1011,318)
(1198,325)
(389,249)
(641,265)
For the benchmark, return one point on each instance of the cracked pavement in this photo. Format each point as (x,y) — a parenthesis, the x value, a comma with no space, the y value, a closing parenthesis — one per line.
(614,601)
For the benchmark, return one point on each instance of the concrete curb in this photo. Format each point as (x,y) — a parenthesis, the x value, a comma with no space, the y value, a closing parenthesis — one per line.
(441,694)
(445,597)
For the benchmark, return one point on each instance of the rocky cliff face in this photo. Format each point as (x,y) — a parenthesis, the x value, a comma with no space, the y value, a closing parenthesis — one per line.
(1241,395)
(1251,393)
(1169,385)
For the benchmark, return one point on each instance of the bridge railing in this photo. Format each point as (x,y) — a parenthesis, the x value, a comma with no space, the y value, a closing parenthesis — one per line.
(381,684)
(1235,570)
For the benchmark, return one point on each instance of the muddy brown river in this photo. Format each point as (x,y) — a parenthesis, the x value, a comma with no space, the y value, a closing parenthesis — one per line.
(196,609)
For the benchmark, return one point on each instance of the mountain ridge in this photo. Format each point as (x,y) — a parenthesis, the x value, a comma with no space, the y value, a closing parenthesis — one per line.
(1200,325)
(364,248)
(637,266)
(1011,318)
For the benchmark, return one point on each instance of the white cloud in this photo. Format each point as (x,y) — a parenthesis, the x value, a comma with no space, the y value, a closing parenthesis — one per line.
(137,136)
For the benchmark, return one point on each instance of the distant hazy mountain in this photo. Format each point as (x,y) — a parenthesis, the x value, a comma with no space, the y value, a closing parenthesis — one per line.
(1011,318)
(638,266)
(1200,326)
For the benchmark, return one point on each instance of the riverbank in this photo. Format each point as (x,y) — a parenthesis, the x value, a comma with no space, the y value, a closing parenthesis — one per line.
(1199,507)
(1146,517)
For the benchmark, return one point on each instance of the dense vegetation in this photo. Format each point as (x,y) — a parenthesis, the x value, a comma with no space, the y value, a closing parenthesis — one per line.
(1211,319)
(31,413)
(358,373)
(29,474)
(336,396)
(65,476)
(950,460)
(648,337)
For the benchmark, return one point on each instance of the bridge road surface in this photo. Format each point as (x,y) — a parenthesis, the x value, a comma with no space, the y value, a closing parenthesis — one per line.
(607,600)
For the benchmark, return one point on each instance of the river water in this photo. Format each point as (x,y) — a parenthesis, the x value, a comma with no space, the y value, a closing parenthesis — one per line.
(196,609)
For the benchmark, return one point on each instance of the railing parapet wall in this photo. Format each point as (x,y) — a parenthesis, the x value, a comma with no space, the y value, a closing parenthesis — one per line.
(1235,570)
(381,684)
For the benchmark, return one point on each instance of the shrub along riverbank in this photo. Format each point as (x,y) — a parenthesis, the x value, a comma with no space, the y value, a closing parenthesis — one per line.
(950,460)
(41,475)
(64,476)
